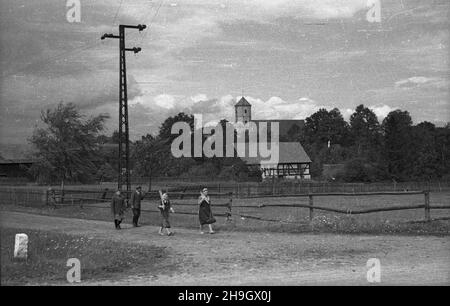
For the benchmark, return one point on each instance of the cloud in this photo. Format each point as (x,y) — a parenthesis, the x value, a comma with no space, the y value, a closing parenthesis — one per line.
(199,51)
(277,108)
(413,82)
(433,83)
(199,97)
(381,110)
(164,101)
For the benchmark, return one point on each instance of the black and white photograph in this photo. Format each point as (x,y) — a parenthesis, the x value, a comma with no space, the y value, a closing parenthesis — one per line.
(222,148)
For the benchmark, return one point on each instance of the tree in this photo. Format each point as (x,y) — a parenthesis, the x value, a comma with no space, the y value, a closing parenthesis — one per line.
(365,131)
(106,173)
(326,126)
(397,143)
(325,138)
(443,149)
(425,157)
(166,126)
(67,145)
(150,157)
(109,152)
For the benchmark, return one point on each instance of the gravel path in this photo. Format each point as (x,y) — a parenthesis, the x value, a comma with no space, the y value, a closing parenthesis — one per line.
(244,258)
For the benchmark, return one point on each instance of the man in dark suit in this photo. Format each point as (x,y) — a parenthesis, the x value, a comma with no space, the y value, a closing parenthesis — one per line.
(135,202)
(117,208)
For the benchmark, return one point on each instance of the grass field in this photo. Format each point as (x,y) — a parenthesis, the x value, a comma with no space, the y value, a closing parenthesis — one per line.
(287,219)
(101,259)
(226,258)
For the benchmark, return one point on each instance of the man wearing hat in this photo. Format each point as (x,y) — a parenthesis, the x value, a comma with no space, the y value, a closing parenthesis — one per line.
(135,202)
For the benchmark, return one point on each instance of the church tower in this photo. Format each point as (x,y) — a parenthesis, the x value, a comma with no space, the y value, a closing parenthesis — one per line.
(243,111)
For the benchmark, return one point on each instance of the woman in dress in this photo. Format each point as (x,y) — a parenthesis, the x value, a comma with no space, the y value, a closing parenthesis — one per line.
(165,210)
(204,213)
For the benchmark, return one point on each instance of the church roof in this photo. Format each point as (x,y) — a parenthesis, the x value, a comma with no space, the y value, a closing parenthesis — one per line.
(289,152)
(285,125)
(243,102)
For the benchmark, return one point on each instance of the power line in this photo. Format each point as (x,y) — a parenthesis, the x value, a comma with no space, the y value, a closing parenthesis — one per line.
(152,20)
(117,14)
(51,58)
(71,52)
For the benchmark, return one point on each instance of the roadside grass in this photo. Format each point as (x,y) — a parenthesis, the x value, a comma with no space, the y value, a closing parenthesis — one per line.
(48,253)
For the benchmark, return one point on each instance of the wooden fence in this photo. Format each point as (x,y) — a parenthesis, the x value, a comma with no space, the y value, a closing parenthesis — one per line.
(281,187)
(74,198)
(25,196)
(101,199)
(426,205)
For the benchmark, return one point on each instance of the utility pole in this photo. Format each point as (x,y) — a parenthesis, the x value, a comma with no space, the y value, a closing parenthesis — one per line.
(124,136)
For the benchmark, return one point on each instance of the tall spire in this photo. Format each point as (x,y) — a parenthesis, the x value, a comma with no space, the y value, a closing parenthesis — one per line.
(243,111)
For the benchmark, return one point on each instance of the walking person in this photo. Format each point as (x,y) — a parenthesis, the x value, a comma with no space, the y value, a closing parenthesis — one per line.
(118,208)
(204,213)
(165,208)
(135,200)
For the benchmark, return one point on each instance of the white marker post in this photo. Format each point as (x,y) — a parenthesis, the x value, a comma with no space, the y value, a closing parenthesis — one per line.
(21,246)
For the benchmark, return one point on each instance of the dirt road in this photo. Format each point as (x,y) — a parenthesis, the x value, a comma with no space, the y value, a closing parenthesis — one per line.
(244,258)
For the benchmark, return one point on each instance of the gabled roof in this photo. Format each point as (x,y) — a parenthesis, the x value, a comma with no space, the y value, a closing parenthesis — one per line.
(243,102)
(285,126)
(16,161)
(289,152)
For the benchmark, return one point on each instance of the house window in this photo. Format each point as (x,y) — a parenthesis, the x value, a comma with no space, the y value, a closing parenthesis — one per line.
(245,111)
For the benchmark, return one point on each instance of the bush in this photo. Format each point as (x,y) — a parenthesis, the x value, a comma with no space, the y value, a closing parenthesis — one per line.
(207,169)
(106,173)
(359,170)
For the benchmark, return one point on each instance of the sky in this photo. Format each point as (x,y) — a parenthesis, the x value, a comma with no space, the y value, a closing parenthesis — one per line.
(288,58)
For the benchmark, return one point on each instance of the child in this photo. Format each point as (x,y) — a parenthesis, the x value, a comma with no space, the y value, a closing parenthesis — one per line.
(165,210)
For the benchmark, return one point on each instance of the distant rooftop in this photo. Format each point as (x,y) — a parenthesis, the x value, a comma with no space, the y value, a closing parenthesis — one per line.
(13,152)
(243,102)
(289,152)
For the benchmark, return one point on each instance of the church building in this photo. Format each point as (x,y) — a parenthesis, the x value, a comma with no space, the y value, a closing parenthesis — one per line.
(293,160)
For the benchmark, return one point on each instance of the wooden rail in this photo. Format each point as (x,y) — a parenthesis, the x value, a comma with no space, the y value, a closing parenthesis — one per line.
(87,201)
(295,195)
(426,206)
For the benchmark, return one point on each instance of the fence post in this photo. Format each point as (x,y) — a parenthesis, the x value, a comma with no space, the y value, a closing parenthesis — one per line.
(230,204)
(311,209)
(427,206)
(273,184)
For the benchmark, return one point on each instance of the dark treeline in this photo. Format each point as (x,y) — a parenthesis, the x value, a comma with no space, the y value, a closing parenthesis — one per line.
(394,149)
(72,148)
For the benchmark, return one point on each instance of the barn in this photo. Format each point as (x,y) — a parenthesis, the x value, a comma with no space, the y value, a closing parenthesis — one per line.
(15,161)
(293,162)
(14,167)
